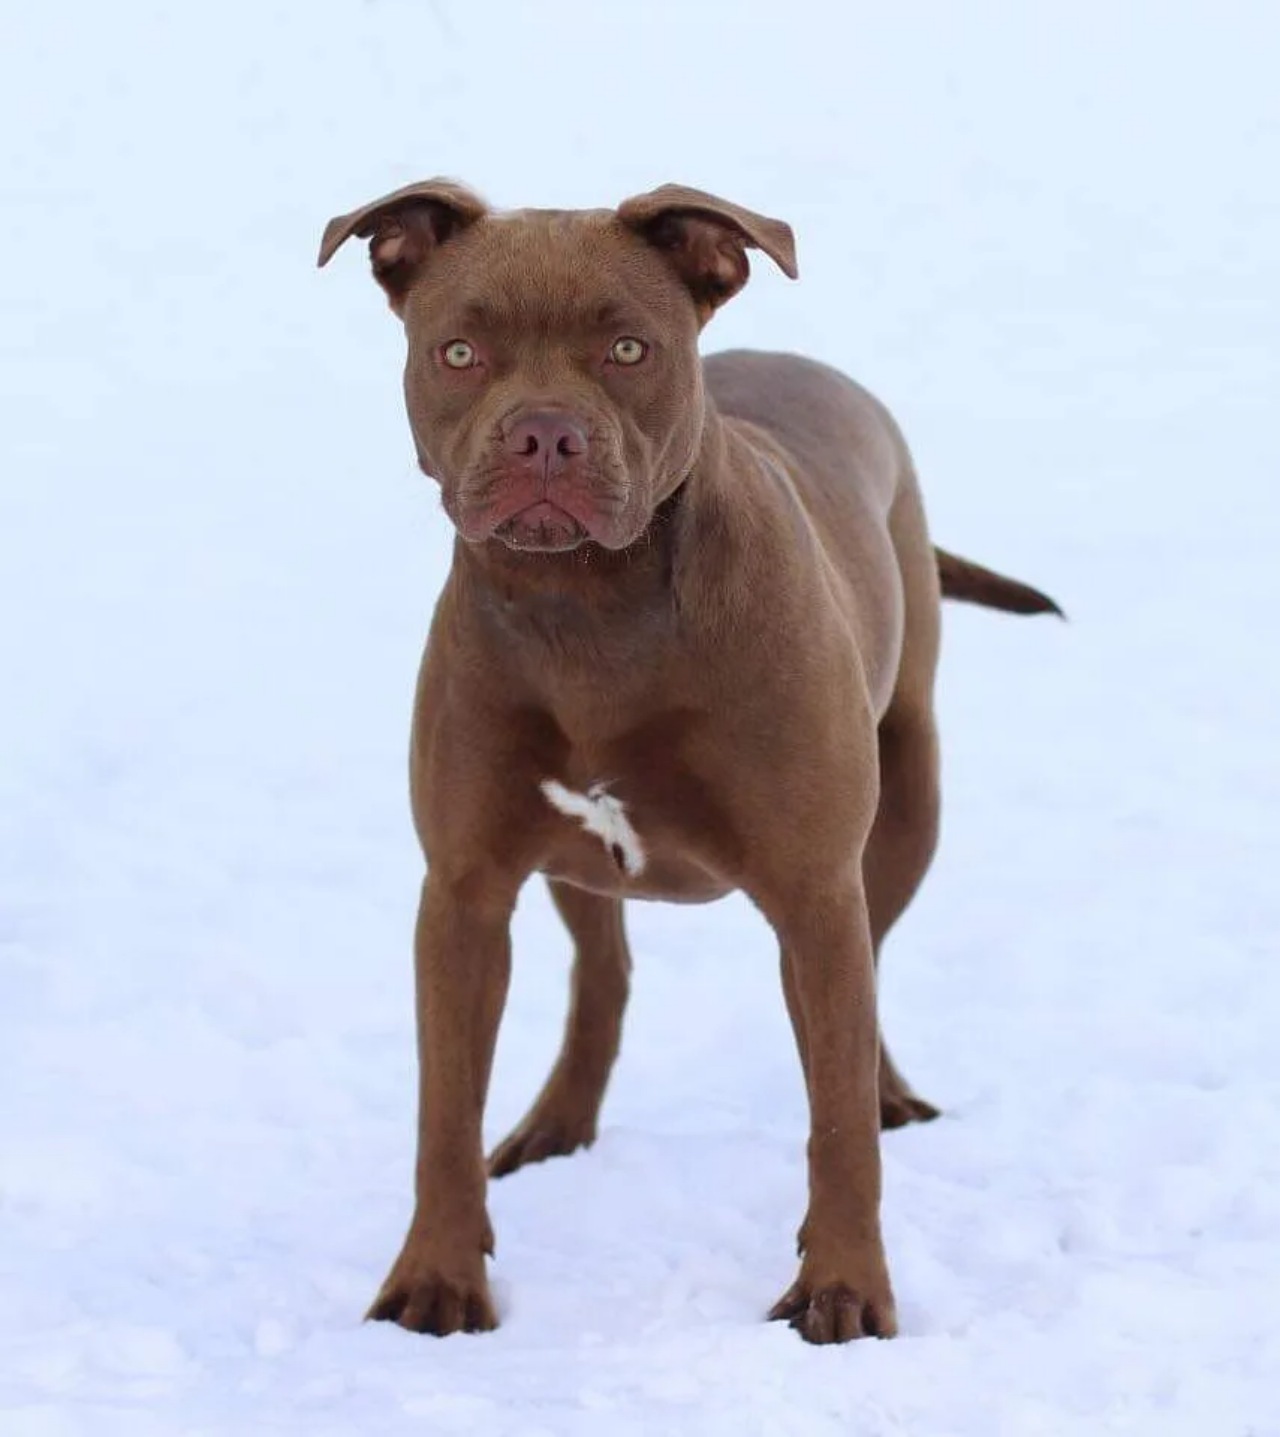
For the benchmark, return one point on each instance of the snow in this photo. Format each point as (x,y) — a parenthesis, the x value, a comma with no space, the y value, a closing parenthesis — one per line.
(1048,236)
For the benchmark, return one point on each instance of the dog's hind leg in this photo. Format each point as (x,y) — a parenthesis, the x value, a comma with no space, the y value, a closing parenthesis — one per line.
(564,1115)
(905,833)
(898,854)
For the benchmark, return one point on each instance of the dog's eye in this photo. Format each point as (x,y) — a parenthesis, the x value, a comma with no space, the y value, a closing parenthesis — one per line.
(628,350)
(458,354)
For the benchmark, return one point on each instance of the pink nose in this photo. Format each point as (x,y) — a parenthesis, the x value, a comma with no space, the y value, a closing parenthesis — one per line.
(545,435)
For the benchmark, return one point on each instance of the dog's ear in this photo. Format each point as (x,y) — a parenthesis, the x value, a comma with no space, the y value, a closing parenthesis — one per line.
(706,240)
(403,229)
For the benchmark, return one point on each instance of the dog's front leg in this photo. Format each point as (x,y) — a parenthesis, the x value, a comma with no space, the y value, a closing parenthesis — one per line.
(462,964)
(843,1289)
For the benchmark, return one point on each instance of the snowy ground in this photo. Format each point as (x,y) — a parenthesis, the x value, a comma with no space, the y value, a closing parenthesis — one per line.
(1048,236)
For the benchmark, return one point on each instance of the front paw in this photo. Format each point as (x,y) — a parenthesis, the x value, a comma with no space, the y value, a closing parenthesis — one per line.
(833,1308)
(424,1294)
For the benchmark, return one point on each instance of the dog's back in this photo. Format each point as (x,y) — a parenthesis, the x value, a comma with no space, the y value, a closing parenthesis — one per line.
(846,444)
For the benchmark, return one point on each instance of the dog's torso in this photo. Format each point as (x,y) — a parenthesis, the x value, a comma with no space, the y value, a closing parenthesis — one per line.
(843,457)
(679,699)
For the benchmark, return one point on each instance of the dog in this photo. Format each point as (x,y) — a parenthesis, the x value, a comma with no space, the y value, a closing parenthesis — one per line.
(687,645)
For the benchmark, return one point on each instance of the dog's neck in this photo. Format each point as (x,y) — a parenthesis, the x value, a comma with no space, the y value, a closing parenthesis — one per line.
(591,616)
(531,595)
(610,624)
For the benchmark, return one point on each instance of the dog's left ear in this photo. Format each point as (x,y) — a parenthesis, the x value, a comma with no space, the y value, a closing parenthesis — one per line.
(706,240)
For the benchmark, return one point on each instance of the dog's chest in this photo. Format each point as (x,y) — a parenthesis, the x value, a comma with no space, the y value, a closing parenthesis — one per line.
(601,815)
(633,829)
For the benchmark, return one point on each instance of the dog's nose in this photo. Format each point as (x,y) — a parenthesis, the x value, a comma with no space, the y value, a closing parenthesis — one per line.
(546,434)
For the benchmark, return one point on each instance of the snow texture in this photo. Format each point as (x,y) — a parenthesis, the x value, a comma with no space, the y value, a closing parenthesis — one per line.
(1048,236)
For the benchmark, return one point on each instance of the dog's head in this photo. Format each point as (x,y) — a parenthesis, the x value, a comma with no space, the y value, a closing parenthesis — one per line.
(553,381)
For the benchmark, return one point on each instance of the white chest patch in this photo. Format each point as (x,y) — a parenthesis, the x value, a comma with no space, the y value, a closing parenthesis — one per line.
(605,816)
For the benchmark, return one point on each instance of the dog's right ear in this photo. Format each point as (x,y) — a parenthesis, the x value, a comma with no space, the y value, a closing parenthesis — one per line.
(403,229)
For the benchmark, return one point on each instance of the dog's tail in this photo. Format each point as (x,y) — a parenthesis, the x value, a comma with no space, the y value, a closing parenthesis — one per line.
(972,584)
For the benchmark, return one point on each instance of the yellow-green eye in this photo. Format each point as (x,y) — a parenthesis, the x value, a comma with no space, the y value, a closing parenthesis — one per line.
(628,350)
(458,354)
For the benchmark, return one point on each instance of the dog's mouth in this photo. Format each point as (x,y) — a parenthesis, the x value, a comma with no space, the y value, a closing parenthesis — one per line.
(542,528)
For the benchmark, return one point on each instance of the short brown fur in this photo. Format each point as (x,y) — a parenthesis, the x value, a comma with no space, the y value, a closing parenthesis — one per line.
(710,588)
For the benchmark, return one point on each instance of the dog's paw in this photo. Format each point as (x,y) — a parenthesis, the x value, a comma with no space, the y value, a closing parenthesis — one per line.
(421,1298)
(544,1133)
(835,1312)
(897,1109)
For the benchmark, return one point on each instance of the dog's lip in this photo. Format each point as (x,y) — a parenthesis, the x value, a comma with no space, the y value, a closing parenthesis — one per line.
(542,527)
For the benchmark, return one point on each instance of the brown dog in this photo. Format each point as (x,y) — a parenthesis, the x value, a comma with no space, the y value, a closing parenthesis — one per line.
(687,645)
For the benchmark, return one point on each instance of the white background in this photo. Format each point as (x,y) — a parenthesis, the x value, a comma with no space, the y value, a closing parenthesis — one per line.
(1048,237)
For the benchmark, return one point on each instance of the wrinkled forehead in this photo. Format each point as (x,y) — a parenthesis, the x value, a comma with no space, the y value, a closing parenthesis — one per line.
(550,269)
